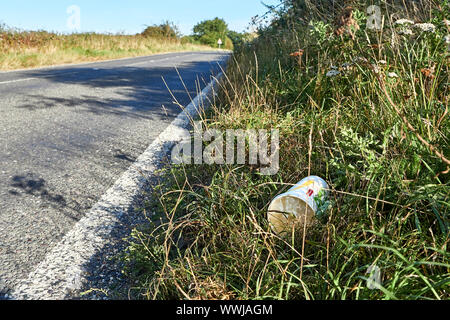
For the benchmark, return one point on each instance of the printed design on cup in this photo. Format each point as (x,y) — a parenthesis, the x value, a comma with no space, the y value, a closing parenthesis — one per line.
(306,184)
(315,187)
(297,206)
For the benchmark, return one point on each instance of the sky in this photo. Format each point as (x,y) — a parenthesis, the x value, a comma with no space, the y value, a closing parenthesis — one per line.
(125,16)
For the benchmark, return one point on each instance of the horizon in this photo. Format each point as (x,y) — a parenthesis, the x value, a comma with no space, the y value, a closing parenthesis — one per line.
(102,16)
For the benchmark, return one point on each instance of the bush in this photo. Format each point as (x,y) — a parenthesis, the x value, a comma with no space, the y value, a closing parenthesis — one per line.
(167,30)
(188,39)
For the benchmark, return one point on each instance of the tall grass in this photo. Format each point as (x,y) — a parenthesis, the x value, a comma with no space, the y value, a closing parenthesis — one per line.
(20,49)
(378,132)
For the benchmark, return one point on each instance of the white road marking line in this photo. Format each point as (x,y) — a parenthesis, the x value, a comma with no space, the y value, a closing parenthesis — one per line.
(40,78)
(152,61)
(138,63)
(145,62)
(18,80)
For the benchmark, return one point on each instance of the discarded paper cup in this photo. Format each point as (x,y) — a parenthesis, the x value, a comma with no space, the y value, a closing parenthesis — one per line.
(292,209)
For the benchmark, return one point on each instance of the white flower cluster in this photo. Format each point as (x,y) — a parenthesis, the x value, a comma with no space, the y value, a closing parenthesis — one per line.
(406,32)
(333,73)
(347,66)
(375,68)
(392,75)
(406,24)
(426,27)
(403,22)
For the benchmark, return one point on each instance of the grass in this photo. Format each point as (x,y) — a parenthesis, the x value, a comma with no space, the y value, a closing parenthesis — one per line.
(20,49)
(379,139)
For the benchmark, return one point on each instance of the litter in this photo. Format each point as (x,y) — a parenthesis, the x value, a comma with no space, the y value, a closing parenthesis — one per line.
(292,209)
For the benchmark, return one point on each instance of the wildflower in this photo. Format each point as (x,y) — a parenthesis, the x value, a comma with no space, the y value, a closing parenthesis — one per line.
(333,73)
(426,121)
(426,27)
(346,66)
(376,69)
(447,39)
(406,32)
(403,22)
(392,75)
(297,53)
(382,62)
(428,72)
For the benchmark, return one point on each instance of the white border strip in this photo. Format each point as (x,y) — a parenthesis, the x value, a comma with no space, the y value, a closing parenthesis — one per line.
(61,272)
(18,80)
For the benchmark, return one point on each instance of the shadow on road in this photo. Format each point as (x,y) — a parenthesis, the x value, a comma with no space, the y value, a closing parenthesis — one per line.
(119,154)
(29,184)
(127,91)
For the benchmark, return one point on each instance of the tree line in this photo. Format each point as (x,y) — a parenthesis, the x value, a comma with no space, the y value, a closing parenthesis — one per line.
(207,32)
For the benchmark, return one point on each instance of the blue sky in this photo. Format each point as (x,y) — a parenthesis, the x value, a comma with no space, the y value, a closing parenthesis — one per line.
(128,16)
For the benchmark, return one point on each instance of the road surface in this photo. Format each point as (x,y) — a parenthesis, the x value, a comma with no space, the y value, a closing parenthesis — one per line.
(67,133)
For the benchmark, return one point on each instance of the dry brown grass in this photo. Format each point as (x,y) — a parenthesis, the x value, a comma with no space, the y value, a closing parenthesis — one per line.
(37,49)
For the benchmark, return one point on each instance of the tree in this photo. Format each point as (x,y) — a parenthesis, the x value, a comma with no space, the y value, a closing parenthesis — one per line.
(166,30)
(237,38)
(210,31)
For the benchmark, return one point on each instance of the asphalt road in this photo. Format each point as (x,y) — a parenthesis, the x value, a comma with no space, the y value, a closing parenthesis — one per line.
(67,134)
